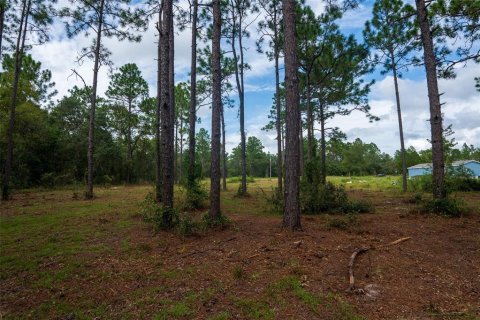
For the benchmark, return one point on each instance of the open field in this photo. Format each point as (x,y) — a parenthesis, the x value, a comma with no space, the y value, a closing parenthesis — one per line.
(66,258)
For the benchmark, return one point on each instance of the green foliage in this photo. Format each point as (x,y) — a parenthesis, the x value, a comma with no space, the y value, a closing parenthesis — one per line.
(162,218)
(444,207)
(329,198)
(239,273)
(196,196)
(275,201)
(459,180)
(221,222)
(239,179)
(421,184)
(186,226)
(351,220)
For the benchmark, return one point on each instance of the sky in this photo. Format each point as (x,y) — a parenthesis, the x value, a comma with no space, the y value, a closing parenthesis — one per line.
(461,101)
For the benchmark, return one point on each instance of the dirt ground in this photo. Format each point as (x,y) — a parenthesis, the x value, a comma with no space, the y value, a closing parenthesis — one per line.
(250,270)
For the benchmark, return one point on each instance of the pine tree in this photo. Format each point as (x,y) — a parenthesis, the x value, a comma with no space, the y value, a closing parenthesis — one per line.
(214,213)
(291,210)
(436,118)
(271,29)
(104,18)
(127,91)
(33,18)
(392,32)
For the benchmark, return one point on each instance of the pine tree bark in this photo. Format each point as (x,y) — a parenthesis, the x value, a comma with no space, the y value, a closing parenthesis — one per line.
(302,149)
(91,126)
(129,145)
(400,124)
(224,153)
(323,147)
(171,87)
(19,50)
(216,110)
(193,99)
(278,121)
(436,120)
(2,22)
(167,110)
(239,77)
(158,121)
(291,213)
(310,135)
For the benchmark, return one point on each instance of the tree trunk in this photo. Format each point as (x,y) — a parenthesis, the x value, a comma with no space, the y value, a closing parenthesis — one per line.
(175,154)
(323,158)
(3,8)
(166,113)
(278,122)
(310,136)
(171,87)
(291,211)
(193,99)
(224,153)
(129,146)
(158,136)
(19,49)
(180,163)
(216,110)
(241,96)
(400,124)
(439,191)
(91,126)
(302,149)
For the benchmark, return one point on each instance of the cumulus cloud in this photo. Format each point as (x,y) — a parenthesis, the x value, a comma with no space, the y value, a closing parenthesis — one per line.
(462,102)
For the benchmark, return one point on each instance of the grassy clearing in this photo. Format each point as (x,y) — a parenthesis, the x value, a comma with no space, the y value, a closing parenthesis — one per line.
(63,257)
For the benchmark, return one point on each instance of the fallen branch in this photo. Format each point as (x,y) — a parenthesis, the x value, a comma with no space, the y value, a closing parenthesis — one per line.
(358,252)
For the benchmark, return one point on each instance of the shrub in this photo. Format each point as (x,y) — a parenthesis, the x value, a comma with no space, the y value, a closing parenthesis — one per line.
(221,222)
(274,201)
(421,184)
(444,207)
(47,180)
(315,199)
(196,196)
(163,218)
(455,180)
(351,220)
(186,226)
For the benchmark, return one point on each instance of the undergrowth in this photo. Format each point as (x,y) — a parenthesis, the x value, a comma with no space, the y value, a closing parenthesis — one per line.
(164,218)
(444,207)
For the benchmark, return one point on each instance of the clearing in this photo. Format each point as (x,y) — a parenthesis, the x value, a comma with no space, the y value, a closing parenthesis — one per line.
(65,258)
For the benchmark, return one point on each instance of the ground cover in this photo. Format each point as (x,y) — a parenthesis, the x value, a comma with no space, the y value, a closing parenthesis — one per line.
(66,258)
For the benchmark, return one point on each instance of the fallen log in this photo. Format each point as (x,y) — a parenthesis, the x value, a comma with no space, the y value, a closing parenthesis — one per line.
(359,251)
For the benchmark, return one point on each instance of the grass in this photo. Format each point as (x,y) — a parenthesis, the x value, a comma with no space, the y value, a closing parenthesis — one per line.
(320,305)
(51,243)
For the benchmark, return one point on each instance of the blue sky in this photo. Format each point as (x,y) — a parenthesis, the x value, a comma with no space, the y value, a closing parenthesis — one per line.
(462,108)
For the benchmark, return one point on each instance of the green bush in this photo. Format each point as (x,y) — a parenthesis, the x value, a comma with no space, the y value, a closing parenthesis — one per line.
(351,220)
(455,180)
(162,218)
(47,180)
(221,222)
(196,196)
(274,201)
(186,226)
(329,198)
(444,207)
(421,184)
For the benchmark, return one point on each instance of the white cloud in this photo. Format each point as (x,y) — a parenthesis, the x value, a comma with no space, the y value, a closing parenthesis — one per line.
(462,108)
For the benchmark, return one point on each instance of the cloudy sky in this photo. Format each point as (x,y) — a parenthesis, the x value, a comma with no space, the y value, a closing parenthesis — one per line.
(461,109)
